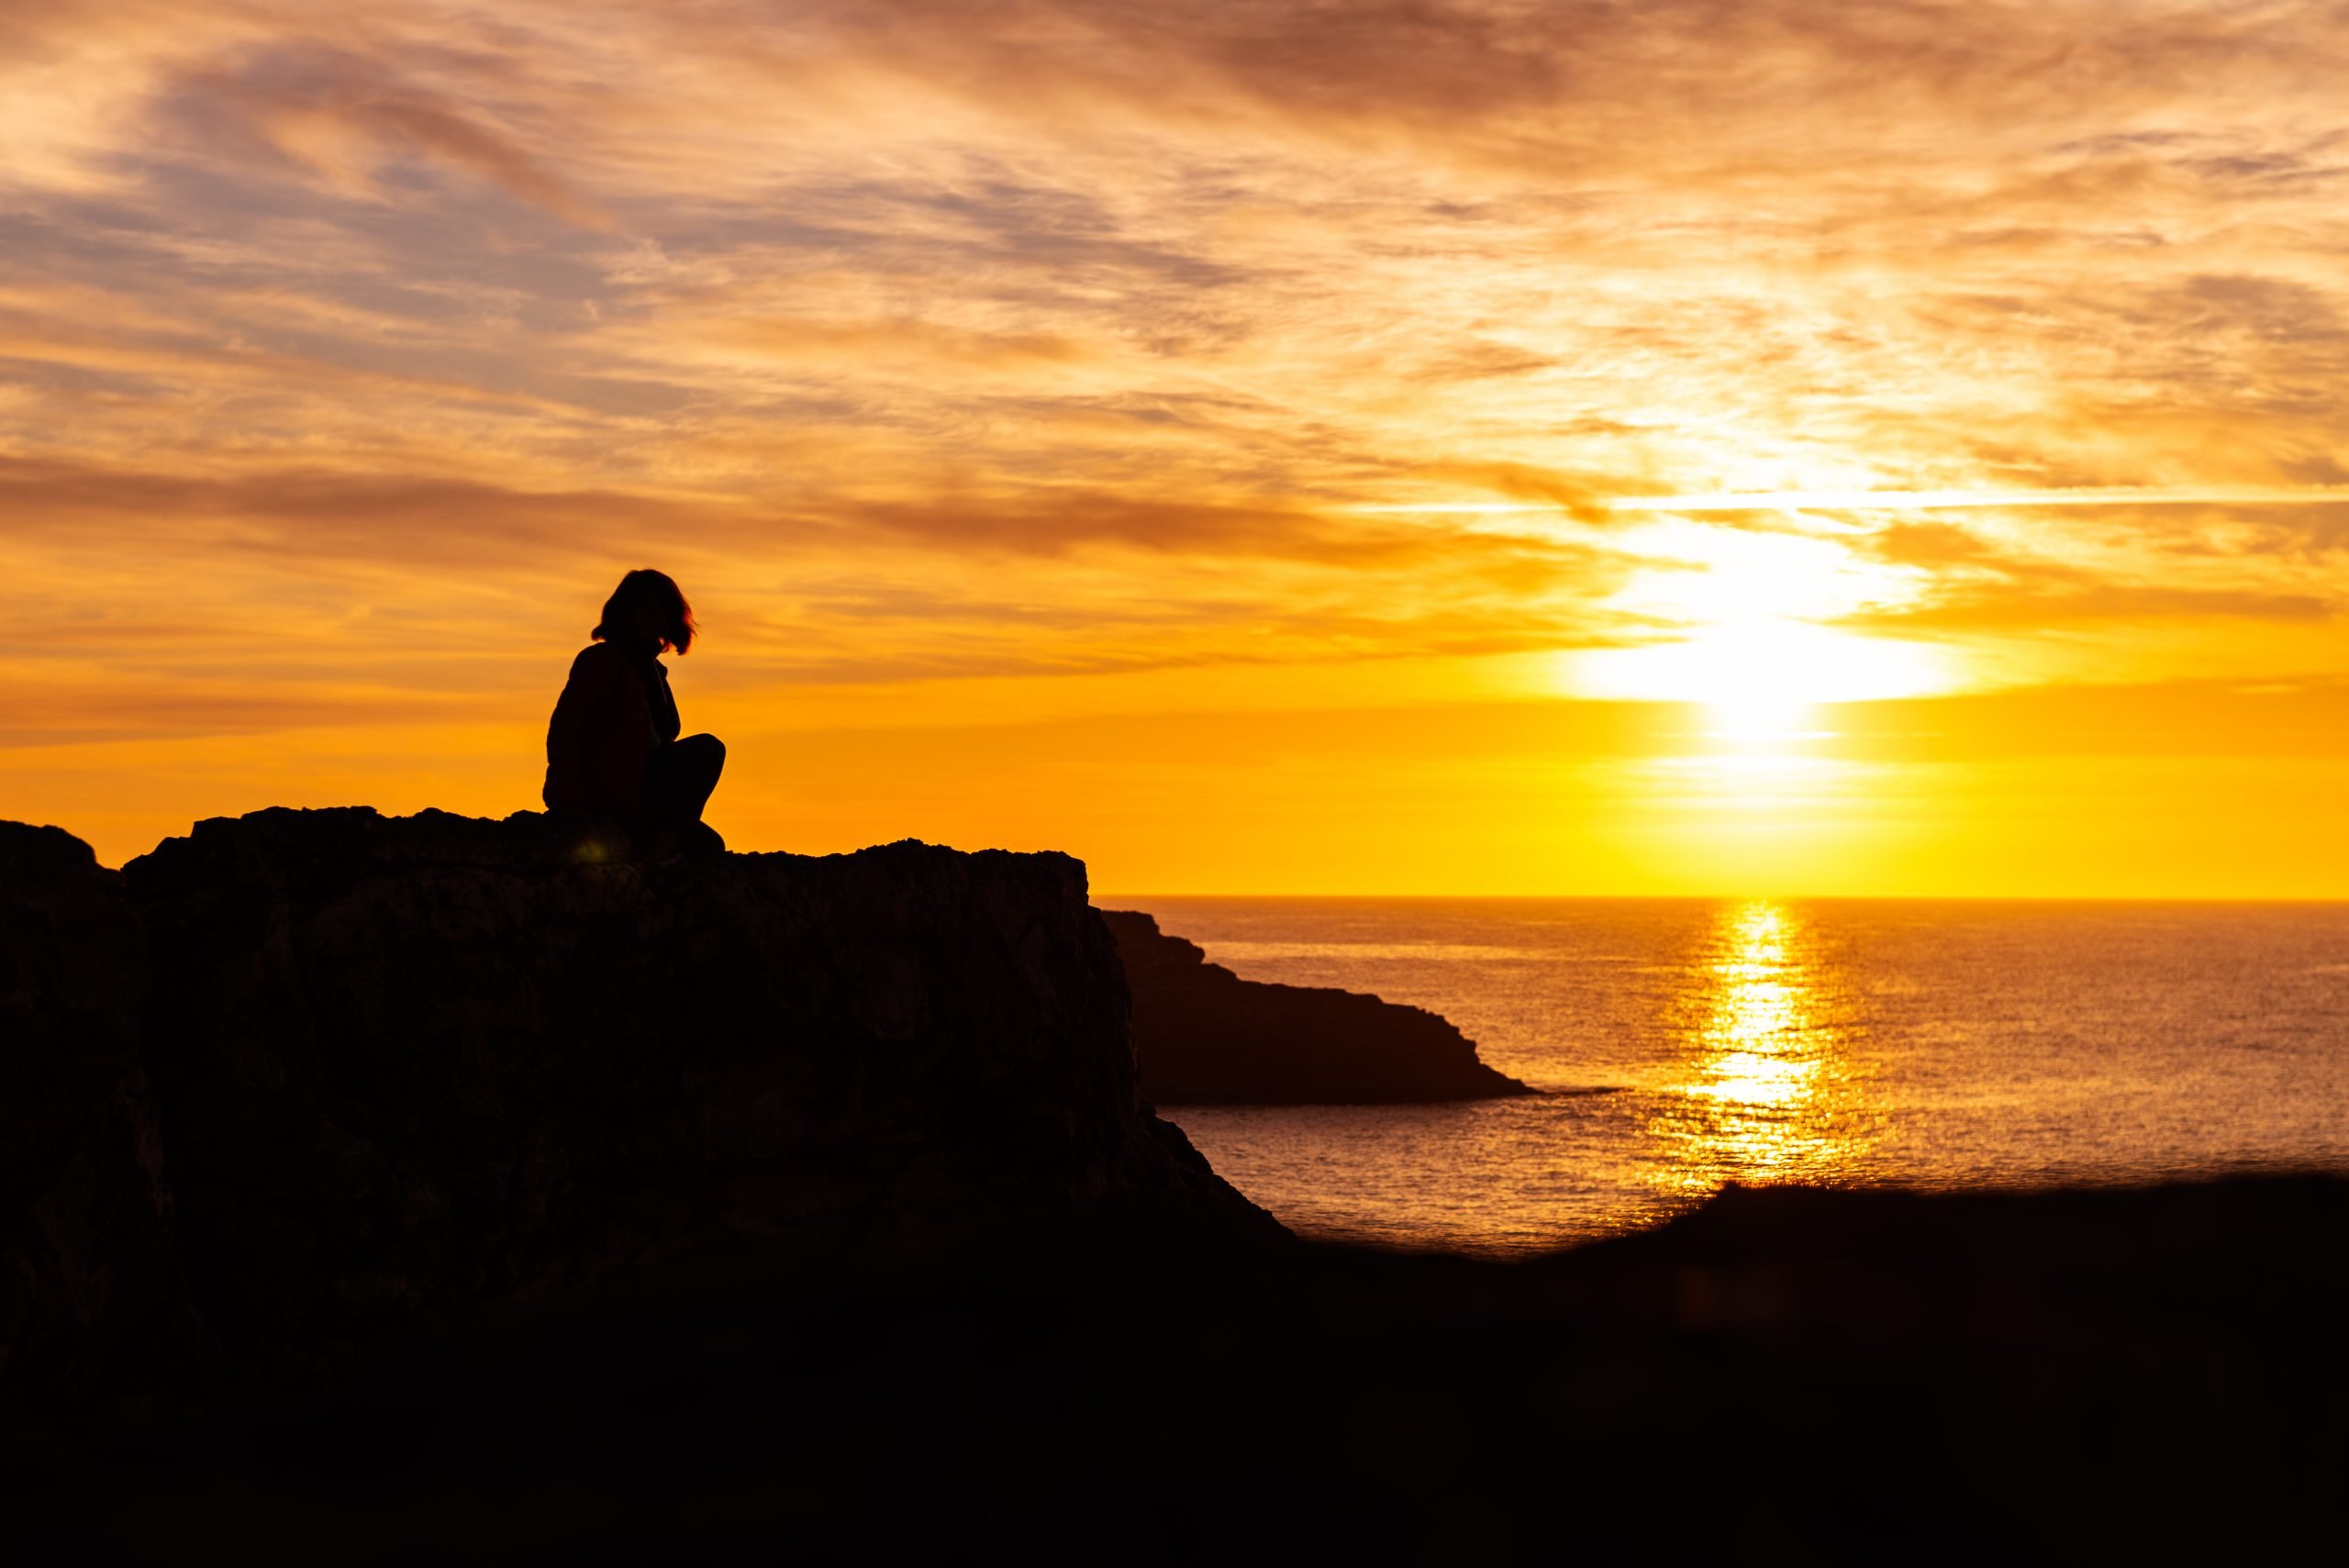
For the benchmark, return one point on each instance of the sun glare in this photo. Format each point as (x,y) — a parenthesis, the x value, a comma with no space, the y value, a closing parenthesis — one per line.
(1744,610)
(1764,678)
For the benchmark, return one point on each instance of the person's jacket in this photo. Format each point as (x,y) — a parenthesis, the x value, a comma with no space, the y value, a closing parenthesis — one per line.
(614,710)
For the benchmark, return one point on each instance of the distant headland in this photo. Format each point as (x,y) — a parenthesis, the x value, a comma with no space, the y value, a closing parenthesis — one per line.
(1206,1036)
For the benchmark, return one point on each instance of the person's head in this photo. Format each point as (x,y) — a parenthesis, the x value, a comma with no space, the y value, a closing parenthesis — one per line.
(647,610)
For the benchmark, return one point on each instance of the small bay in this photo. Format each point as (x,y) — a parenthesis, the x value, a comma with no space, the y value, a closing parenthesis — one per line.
(1684,1044)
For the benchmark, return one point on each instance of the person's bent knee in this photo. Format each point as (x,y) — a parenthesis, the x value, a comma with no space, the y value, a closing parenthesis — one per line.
(704,755)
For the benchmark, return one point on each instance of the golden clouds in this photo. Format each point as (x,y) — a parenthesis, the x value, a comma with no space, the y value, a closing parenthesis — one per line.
(344,352)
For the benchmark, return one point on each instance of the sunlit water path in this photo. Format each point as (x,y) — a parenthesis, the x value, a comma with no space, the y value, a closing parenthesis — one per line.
(1684,1044)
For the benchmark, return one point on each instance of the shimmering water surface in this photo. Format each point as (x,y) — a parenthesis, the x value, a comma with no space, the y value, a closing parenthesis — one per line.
(1682,1044)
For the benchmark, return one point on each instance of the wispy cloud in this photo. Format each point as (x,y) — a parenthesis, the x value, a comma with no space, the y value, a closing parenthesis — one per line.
(1038,338)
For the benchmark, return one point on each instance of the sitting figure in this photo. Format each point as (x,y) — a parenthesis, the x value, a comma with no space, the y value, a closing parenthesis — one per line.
(612,746)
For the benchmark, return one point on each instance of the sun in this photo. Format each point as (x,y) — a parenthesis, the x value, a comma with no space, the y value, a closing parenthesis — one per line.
(1758,681)
(1743,626)
(1764,678)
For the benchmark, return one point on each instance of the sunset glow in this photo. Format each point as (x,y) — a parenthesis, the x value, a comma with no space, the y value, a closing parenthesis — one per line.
(1255,448)
(1764,1092)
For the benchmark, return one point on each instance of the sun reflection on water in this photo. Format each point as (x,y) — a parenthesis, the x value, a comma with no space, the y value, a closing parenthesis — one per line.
(1763,1088)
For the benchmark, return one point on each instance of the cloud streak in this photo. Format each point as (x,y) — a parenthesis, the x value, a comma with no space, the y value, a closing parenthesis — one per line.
(1053,342)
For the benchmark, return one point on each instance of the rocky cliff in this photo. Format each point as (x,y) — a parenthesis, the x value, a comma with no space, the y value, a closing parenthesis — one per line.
(301,1083)
(1206,1036)
(606,1134)
(92,1290)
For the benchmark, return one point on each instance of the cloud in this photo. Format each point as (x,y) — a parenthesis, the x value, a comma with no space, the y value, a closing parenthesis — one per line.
(320,124)
(161,708)
(1583,497)
(1108,306)
(422,521)
(1980,585)
(2000,607)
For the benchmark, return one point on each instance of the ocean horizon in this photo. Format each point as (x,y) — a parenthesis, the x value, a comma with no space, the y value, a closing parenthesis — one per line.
(1682,1044)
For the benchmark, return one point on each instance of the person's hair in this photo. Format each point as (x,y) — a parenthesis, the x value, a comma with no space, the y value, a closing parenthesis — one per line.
(662,603)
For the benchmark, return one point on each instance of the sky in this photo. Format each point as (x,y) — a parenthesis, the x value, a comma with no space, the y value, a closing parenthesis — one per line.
(1683,447)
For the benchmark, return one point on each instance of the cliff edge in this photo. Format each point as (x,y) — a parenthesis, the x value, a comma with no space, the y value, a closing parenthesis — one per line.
(1206,1036)
(305,1082)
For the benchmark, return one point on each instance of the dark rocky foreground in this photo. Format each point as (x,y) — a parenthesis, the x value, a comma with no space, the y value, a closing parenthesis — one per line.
(426,1189)
(1206,1036)
(1784,1375)
(307,1083)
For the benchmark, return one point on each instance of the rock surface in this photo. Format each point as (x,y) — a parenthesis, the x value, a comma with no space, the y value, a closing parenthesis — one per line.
(1782,1376)
(1206,1036)
(91,1297)
(590,1140)
(403,1067)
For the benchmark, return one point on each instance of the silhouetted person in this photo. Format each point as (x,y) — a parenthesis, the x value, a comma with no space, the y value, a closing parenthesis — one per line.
(612,746)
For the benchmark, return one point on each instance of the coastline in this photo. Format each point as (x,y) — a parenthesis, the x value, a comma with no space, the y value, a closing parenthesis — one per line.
(393,1187)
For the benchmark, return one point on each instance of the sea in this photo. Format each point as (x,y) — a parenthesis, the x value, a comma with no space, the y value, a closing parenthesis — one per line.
(1682,1044)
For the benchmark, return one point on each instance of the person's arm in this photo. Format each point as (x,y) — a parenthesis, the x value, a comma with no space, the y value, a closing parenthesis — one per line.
(598,739)
(566,785)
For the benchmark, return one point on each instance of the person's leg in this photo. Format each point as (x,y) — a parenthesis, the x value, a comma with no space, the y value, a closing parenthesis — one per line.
(677,782)
(699,760)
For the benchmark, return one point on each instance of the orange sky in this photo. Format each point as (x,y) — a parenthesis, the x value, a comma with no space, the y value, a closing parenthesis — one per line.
(1741,446)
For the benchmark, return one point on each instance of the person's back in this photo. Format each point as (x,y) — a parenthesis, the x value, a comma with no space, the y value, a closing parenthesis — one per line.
(601,737)
(612,744)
